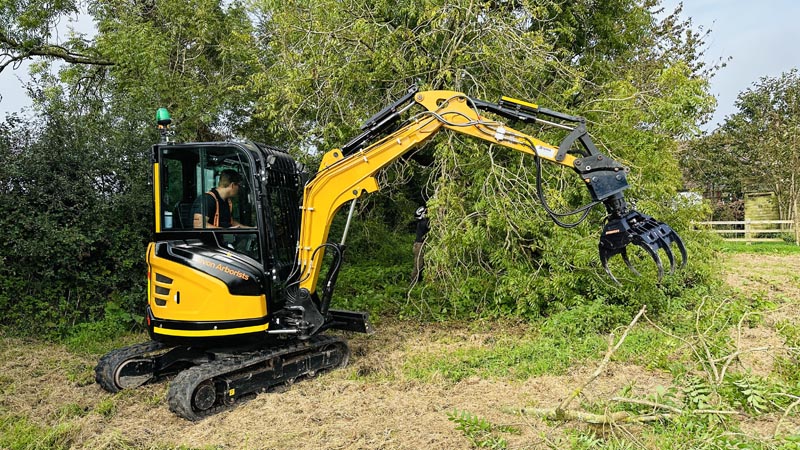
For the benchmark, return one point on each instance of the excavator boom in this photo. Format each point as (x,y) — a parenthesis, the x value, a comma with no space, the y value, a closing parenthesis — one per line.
(346,174)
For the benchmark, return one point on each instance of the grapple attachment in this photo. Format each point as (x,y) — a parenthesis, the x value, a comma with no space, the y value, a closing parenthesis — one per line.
(633,227)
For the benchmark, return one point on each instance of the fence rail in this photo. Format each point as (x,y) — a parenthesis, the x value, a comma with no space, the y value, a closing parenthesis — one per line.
(752,230)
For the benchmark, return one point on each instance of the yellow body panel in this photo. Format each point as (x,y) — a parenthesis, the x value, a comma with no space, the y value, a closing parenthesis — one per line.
(194,296)
(210,333)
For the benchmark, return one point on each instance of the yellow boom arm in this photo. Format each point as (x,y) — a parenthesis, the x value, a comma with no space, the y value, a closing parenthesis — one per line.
(341,179)
(345,176)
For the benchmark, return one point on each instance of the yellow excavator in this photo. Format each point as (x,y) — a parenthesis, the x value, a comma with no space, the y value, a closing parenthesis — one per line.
(240,231)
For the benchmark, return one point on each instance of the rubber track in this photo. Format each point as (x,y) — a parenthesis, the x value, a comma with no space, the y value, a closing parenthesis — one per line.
(108,364)
(182,387)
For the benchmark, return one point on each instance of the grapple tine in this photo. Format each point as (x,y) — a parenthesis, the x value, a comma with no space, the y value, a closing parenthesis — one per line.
(604,255)
(608,271)
(679,242)
(653,252)
(628,262)
(665,244)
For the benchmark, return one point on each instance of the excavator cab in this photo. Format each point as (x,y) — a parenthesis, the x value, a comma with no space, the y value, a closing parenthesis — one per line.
(243,268)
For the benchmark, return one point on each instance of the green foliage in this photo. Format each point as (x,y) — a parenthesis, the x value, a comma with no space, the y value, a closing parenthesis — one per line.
(377,266)
(69,195)
(191,57)
(698,393)
(650,348)
(98,337)
(480,432)
(751,393)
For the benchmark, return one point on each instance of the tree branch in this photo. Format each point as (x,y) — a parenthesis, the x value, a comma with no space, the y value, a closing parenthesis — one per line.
(603,363)
(15,51)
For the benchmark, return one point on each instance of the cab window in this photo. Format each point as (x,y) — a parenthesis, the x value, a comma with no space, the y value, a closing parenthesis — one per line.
(208,189)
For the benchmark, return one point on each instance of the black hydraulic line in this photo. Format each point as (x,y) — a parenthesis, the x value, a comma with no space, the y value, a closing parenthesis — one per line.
(330,279)
(379,122)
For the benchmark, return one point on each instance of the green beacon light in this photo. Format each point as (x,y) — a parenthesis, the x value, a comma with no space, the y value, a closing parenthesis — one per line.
(162,117)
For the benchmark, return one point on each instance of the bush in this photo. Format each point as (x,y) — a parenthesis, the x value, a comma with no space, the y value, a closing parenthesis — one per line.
(77,212)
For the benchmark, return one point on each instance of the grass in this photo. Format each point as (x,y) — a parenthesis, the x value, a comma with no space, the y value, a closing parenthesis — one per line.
(508,357)
(18,432)
(772,248)
(555,345)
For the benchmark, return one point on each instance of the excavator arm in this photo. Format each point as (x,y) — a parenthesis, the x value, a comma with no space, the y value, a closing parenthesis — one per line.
(346,174)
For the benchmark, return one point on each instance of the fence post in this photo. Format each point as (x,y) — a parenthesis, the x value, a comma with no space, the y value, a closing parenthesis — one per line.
(747,231)
(796,224)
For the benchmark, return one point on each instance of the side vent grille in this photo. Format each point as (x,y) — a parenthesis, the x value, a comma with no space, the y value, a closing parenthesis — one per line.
(163,278)
(162,290)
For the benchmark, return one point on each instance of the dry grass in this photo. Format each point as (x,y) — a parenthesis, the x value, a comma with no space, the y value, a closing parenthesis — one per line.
(340,410)
(371,404)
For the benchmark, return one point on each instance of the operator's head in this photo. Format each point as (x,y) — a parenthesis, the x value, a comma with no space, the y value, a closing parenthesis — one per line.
(229,181)
(229,176)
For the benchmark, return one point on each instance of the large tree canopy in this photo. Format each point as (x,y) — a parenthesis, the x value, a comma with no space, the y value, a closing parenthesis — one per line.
(30,29)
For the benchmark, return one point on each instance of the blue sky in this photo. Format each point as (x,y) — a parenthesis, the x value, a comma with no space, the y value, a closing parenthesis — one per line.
(762,37)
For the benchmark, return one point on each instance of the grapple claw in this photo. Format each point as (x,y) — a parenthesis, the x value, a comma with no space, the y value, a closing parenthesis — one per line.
(628,262)
(641,230)
(604,260)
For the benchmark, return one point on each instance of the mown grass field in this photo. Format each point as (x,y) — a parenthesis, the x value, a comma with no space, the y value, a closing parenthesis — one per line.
(724,375)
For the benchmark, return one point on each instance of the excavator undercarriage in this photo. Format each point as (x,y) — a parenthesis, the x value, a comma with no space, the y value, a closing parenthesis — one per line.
(207,381)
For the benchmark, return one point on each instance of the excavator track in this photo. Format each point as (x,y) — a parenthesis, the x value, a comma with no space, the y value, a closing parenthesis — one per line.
(221,384)
(127,367)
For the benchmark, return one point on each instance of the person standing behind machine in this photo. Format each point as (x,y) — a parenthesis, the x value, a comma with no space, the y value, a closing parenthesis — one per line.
(213,209)
(423,226)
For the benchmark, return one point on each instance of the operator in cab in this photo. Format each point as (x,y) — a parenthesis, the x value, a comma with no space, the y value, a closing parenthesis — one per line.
(213,209)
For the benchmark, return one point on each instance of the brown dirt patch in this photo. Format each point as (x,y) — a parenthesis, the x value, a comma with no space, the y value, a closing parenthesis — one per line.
(777,276)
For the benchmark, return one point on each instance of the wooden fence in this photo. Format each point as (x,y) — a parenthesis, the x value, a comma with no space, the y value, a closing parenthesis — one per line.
(753,230)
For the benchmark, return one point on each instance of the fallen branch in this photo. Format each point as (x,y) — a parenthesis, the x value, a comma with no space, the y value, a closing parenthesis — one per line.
(564,404)
(785,413)
(653,405)
(619,417)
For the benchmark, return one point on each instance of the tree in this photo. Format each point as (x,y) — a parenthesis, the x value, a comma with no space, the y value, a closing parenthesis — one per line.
(29,29)
(764,138)
(712,165)
(73,194)
(329,66)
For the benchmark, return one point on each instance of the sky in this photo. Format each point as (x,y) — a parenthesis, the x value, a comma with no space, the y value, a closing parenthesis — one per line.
(761,37)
